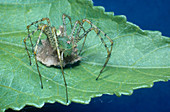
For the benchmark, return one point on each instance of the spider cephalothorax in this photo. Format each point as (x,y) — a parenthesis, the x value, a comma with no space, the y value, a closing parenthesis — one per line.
(60,49)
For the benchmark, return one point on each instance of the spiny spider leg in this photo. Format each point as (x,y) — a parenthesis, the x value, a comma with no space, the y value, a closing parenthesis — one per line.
(35,53)
(43,19)
(97,30)
(64,23)
(84,35)
(60,57)
(73,31)
(25,39)
(35,50)
(29,35)
(77,36)
(78,30)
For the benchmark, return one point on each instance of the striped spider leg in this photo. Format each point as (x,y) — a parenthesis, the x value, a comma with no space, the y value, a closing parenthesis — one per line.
(77,33)
(30,34)
(50,32)
(34,50)
(97,31)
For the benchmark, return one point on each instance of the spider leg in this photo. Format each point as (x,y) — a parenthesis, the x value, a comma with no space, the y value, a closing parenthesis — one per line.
(64,23)
(78,30)
(83,44)
(43,19)
(35,53)
(61,65)
(98,31)
(60,57)
(83,35)
(25,39)
(77,36)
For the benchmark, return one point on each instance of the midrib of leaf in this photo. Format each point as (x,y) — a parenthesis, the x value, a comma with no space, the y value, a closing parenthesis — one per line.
(123,66)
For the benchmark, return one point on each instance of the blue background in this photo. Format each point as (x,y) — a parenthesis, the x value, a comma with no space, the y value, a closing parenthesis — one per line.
(148,15)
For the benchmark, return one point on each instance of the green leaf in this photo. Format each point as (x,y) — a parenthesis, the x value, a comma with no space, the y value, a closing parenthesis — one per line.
(139,58)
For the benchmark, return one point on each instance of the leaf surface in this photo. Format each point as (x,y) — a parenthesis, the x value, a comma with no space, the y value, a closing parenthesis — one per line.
(139,57)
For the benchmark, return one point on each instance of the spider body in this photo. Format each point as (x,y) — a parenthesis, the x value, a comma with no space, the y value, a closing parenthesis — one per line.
(60,49)
(47,51)
(64,45)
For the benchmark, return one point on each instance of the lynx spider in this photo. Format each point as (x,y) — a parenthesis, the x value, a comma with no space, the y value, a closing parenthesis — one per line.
(53,37)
